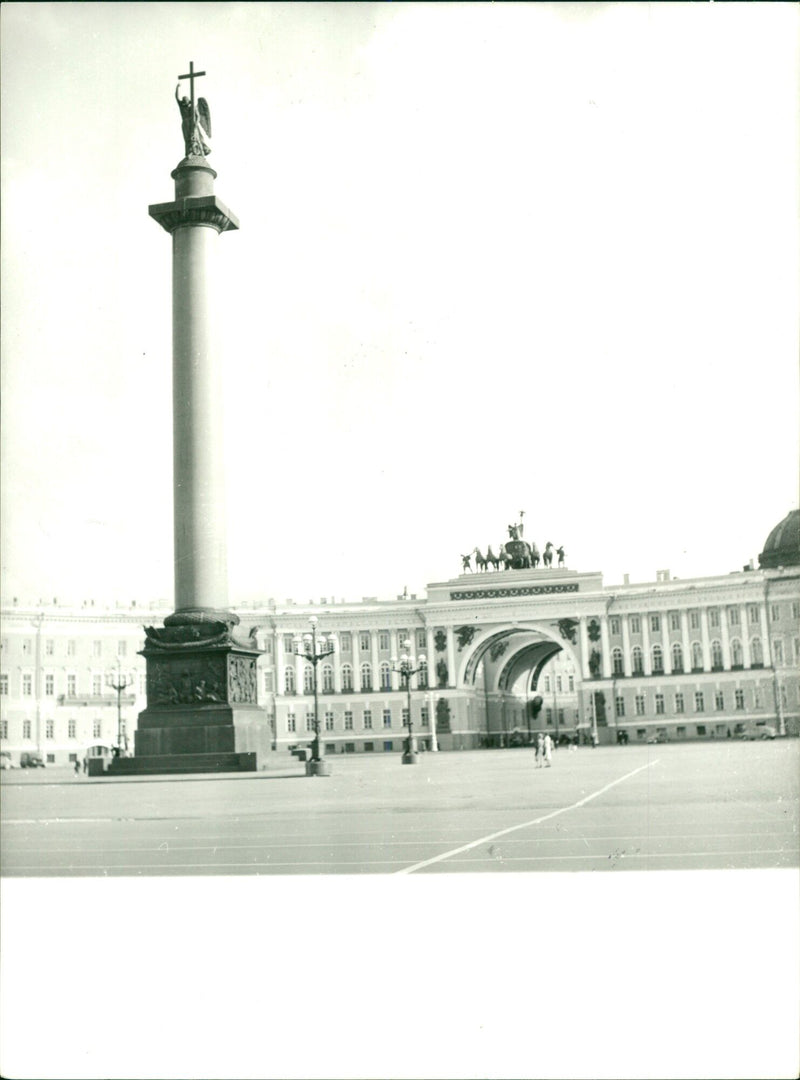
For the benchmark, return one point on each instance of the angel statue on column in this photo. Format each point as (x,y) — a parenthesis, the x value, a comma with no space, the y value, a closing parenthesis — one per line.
(196,125)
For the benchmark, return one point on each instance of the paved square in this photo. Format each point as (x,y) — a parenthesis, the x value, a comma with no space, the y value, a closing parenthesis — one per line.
(685,806)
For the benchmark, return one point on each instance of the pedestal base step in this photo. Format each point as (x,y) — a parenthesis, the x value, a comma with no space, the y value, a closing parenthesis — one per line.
(183,763)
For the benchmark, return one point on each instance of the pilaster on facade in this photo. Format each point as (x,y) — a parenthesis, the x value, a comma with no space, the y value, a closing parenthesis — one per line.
(626,646)
(375,659)
(646,658)
(355,657)
(686,642)
(725,640)
(666,644)
(584,636)
(394,650)
(765,638)
(431,654)
(452,674)
(605,642)
(705,641)
(745,635)
(280,661)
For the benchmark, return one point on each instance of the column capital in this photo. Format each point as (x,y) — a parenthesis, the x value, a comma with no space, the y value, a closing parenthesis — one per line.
(194,210)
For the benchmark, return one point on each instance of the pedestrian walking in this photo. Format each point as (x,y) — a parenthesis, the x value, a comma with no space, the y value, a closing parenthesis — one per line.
(77,767)
(539,750)
(548,750)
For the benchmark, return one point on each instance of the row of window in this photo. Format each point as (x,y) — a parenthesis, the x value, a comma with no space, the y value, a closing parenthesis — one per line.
(50,729)
(345,640)
(698,700)
(100,647)
(326,683)
(558,682)
(715,615)
(100,687)
(696,651)
(329,720)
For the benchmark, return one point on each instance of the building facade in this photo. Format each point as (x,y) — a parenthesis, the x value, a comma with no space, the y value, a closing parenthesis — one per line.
(507,653)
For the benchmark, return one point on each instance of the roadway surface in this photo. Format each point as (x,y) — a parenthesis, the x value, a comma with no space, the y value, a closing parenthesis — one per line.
(681,806)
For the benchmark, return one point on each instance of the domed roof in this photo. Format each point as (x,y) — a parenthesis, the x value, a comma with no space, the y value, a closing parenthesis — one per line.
(783,543)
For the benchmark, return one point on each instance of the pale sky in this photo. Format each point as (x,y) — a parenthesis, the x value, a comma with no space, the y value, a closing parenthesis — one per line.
(491,258)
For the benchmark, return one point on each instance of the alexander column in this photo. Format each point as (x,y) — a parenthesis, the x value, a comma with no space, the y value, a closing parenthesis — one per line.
(202,711)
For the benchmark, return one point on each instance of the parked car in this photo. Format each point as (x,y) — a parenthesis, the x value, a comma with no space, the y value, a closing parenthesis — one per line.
(5,760)
(31,761)
(755,731)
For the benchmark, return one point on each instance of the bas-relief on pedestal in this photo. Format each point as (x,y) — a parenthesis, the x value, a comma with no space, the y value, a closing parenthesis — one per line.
(202,699)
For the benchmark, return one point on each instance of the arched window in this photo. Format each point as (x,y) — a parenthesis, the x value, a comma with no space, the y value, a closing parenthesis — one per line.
(737,657)
(386,676)
(716,655)
(658,659)
(347,677)
(366,677)
(327,678)
(756,652)
(308,679)
(422,675)
(288,680)
(616,660)
(677,658)
(638,661)
(697,656)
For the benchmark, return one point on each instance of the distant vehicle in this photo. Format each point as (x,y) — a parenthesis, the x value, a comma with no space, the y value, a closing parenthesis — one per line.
(755,730)
(659,737)
(31,761)
(5,760)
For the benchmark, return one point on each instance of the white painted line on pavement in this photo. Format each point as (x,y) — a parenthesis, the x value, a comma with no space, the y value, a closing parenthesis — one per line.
(525,824)
(60,820)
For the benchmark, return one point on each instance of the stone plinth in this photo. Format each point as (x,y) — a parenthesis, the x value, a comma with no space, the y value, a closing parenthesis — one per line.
(202,703)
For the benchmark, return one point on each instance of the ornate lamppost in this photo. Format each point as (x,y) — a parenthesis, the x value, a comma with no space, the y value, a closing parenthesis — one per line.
(119,683)
(407,666)
(306,646)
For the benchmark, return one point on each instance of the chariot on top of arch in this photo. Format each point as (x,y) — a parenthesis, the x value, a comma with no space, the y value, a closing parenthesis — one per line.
(514,553)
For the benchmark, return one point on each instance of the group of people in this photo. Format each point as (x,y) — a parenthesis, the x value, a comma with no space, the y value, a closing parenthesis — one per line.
(543,749)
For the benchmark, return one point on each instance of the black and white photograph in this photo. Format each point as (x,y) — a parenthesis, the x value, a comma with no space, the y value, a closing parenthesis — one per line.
(400,608)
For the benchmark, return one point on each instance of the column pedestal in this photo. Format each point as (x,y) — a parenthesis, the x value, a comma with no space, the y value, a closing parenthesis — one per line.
(202,713)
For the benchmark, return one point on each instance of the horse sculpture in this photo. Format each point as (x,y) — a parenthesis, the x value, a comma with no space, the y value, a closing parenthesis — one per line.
(535,557)
(547,558)
(480,561)
(492,558)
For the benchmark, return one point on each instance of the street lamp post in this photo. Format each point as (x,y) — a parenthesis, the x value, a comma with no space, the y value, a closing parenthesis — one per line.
(432,713)
(120,683)
(593,706)
(407,666)
(306,647)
